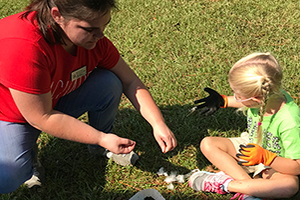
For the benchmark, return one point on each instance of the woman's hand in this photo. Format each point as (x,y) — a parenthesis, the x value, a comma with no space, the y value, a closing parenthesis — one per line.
(116,144)
(164,137)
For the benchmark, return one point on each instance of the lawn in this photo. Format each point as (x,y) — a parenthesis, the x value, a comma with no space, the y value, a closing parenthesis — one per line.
(177,47)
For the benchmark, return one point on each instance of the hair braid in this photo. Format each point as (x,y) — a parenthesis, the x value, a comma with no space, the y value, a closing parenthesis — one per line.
(265,90)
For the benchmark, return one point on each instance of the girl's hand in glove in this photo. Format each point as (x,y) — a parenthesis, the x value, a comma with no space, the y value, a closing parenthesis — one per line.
(211,103)
(253,154)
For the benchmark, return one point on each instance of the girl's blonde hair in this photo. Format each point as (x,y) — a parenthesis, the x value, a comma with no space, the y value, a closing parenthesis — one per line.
(257,75)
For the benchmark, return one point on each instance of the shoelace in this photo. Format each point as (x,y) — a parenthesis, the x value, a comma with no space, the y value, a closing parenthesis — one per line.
(240,195)
(215,186)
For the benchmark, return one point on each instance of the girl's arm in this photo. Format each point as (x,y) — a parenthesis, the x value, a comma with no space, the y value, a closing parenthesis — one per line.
(211,103)
(290,141)
(142,100)
(232,103)
(286,165)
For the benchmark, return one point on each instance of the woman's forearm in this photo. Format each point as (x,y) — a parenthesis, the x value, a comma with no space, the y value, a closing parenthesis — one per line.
(144,103)
(66,127)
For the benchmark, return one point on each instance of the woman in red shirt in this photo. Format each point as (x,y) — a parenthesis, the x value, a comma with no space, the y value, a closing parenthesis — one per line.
(55,65)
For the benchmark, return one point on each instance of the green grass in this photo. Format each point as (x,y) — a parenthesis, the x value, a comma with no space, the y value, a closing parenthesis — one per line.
(177,47)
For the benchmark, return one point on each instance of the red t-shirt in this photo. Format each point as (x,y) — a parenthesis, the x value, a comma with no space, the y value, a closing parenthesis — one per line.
(29,64)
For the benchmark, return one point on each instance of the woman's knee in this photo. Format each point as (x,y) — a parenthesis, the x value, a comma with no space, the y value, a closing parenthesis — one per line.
(115,82)
(116,86)
(108,85)
(112,82)
(105,106)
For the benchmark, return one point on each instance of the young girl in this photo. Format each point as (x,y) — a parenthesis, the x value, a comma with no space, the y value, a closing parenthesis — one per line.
(273,119)
(55,65)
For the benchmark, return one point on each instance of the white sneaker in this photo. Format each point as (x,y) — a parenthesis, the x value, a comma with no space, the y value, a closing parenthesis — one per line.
(38,177)
(209,182)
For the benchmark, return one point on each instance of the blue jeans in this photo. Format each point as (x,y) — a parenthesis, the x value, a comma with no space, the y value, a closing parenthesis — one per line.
(99,95)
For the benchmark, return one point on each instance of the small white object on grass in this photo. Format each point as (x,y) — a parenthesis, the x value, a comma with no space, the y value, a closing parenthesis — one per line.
(170,186)
(162,171)
(180,178)
(173,177)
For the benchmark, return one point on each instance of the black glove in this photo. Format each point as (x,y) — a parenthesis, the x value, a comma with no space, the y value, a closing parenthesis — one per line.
(211,103)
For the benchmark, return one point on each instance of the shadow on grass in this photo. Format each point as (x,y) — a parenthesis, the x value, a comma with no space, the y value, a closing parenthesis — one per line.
(72,173)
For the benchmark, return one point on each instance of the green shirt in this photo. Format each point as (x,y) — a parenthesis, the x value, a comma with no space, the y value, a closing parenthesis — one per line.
(281,131)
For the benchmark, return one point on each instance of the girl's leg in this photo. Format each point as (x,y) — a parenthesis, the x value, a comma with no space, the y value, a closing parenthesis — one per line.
(222,153)
(276,185)
(16,154)
(100,95)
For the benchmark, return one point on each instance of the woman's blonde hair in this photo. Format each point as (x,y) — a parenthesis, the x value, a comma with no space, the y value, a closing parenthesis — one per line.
(257,75)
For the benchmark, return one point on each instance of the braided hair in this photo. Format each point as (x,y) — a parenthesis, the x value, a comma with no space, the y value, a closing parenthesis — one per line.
(257,75)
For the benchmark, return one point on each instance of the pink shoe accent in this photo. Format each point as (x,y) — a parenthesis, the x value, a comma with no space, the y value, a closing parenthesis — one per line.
(215,186)
(238,195)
